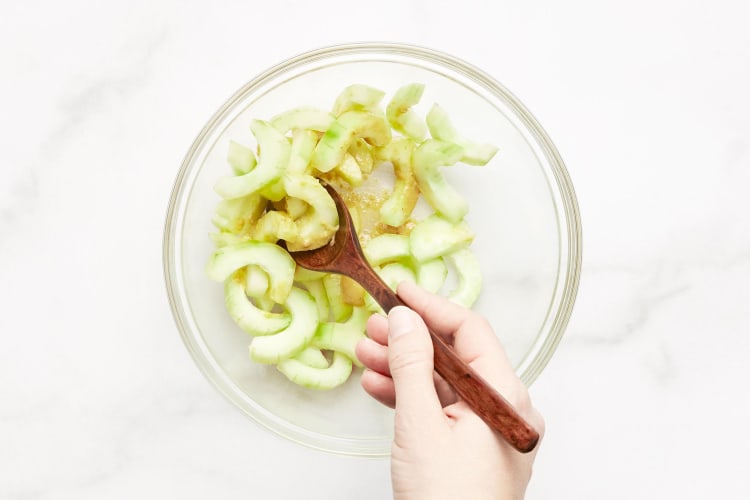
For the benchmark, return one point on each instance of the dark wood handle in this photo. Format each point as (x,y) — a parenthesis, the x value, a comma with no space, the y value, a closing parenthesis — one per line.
(484,400)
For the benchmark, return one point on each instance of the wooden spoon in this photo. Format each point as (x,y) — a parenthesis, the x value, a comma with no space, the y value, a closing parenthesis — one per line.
(344,256)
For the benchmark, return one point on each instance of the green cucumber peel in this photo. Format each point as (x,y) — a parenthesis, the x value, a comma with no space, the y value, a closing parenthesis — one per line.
(340,310)
(469,275)
(246,315)
(400,115)
(343,337)
(318,378)
(240,158)
(357,97)
(303,146)
(340,136)
(302,118)
(395,273)
(427,160)
(387,248)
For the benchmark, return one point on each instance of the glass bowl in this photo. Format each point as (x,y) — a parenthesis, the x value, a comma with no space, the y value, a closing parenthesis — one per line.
(522,208)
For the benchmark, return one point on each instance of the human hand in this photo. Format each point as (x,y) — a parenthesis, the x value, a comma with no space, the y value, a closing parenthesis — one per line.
(441,448)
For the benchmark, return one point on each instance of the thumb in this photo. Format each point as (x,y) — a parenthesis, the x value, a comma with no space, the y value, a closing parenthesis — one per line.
(410,359)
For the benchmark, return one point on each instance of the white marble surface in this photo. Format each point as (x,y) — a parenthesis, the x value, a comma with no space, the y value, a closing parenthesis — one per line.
(647,102)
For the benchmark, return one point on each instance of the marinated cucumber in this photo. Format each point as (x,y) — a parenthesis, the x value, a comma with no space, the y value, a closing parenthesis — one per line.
(428,158)
(303,118)
(240,158)
(469,277)
(318,378)
(442,128)
(436,236)
(251,319)
(308,323)
(397,209)
(295,337)
(271,165)
(317,225)
(400,115)
(271,258)
(357,97)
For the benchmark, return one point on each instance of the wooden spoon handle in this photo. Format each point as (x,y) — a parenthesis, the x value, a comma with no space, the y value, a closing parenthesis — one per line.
(484,400)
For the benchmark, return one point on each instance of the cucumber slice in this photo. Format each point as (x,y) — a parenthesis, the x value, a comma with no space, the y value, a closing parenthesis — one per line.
(396,272)
(431,274)
(397,209)
(304,275)
(251,319)
(340,310)
(401,116)
(387,248)
(240,158)
(318,292)
(293,339)
(256,282)
(302,118)
(357,97)
(317,226)
(435,236)
(349,170)
(341,135)
(427,160)
(295,207)
(469,277)
(303,146)
(343,337)
(273,160)
(442,128)
(275,226)
(362,154)
(222,239)
(271,258)
(317,378)
(273,191)
(312,357)
(239,214)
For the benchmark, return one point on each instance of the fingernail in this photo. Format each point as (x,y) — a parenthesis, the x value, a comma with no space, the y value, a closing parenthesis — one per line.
(400,321)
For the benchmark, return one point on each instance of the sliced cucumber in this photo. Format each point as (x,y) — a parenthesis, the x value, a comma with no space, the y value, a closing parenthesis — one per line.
(251,319)
(317,378)
(317,226)
(431,274)
(427,160)
(304,275)
(435,236)
(318,292)
(340,310)
(442,128)
(271,258)
(275,226)
(469,277)
(343,337)
(401,116)
(256,282)
(302,118)
(312,357)
(293,339)
(357,97)
(362,154)
(303,146)
(275,157)
(295,207)
(395,273)
(387,248)
(239,214)
(349,170)
(345,130)
(240,158)
(397,209)
(222,239)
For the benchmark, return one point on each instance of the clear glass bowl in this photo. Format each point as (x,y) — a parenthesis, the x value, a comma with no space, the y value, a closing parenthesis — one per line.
(523,210)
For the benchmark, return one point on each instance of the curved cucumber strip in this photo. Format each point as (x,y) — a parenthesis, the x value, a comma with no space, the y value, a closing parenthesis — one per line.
(341,135)
(240,158)
(275,226)
(442,129)
(428,158)
(435,236)
(317,226)
(339,309)
(304,275)
(271,258)
(293,339)
(303,146)
(387,248)
(312,357)
(302,118)
(400,204)
(401,116)
(396,272)
(316,378)
(469,277)
(349,170)
(357,97)
(431,274)
(251,319)
(222,239)
(343,337)
(362,154)
(274,158)
(239,214)
(318,292)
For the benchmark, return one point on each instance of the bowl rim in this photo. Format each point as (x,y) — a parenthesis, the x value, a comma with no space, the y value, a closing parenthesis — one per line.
(562,178)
